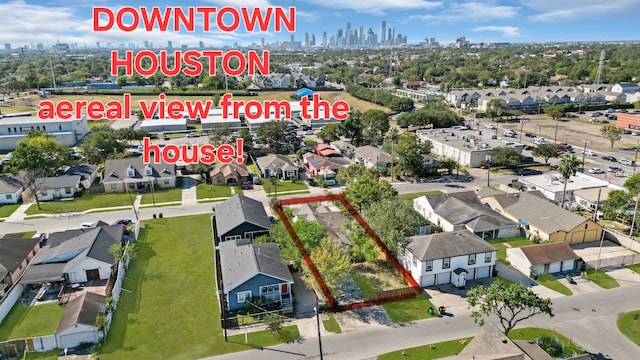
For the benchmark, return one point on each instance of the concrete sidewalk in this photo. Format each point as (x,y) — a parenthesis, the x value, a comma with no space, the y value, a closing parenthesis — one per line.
(20,212)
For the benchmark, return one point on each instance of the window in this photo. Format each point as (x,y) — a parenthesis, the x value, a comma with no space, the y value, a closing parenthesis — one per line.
(148,170)
(166,182)
(243,296)
(114,186)
(487,257)
(233,237)
(429,264)
(446,263)
(9,196)
(415,260)
(270,289)
(131,172)
(472,259)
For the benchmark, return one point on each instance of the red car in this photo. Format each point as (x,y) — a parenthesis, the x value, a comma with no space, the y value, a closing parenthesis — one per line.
(246,185)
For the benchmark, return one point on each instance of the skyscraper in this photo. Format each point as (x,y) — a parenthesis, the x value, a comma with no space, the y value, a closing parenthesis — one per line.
(169,45)
(324,38)
(383,34)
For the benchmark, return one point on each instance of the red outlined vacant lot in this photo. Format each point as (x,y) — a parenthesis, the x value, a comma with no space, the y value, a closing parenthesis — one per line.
(329,298)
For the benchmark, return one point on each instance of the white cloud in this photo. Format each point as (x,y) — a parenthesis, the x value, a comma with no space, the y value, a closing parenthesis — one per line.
(469,11)
(507,31)
(550,10)
(376,7)
(243,3)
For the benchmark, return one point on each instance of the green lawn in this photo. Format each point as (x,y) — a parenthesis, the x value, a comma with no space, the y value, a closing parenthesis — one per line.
(49,355)
(629,327)
(534,333)
(82,203)
(602,279)
(282,186)
(161,196)
(8,209)
(331,325)
(552,283)
(208,191)
(97,123)
(22,322)
(634,267)
(408,198)
(409,310)
(514,241)
(173,298)
(428,352)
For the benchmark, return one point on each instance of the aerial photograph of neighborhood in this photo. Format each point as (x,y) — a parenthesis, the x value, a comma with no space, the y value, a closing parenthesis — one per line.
(320,179)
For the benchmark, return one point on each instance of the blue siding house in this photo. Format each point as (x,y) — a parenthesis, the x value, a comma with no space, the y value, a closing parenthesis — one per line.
(240,217)
(254,270)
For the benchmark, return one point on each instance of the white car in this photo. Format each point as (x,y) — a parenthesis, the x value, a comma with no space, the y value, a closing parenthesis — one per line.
(626,162)
(596,171)
(589,152)
(489,126)
(539,141)
(192,134)
(86,225)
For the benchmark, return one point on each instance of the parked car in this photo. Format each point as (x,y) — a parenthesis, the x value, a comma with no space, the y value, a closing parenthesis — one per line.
(7,159)
(309,132)
(589,152)
(626,162)
(596,171)
(86,225)
(272,220)
(246,185)
(539,141)
(192,134)
(489,126)
(526,159)
(615,169)
(605,121)
(509,133)
(594,120)
(596,114)
(609,158)
(122,222)
(530,135)
(527,171)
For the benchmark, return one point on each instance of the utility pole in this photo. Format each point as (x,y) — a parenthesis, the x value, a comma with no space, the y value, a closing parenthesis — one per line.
(584,152)
(635,159)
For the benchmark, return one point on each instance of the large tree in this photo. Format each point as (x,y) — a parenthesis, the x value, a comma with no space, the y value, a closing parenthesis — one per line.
(102,143)
(410,151)
(393,222)
(510,302)
(376,125)
(504,155)
(329,132)
(351,173)
(353,127)
(611,133)
(568,167)
(365,191)
(332,261)
(36,156)
(546,151)
(309,232)
(495,108)
(275,134)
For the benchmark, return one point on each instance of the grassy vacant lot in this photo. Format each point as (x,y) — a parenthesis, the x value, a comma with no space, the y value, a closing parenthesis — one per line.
(31,321)
(208,191)
(8,209)
(283,186)
(162,196)
(534,333)
(331,325)
(82,203)
(409,310)
(173,300)
(408,198)
(629,327)
(504,243)
(428,352)
(552,283)
(602,279)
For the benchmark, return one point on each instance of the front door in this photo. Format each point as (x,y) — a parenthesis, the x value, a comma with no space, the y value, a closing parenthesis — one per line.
(285,288)
(93,274)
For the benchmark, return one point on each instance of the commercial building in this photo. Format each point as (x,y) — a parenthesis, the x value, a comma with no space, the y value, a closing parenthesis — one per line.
(164,125)
(469,148)
(15,128)
(628,121)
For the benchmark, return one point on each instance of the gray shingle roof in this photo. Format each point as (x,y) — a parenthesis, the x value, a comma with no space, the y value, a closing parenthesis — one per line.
(116,169)
(58,182)
(13,250)
(465,208)
(9,185)
(447,244)
(81,169)
(370,152)
(282,162)
(237,210)
(240,263)
(94,243)
(82,310)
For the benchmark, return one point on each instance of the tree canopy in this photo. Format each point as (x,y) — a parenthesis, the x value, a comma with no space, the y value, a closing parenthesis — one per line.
(611,133)
(365,191)
(102,143)
(546,151)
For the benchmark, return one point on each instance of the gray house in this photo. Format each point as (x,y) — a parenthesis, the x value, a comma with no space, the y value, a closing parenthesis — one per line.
(240,217)
(57,187)
(88,173)
(284,167)
(10,190)
(372,157)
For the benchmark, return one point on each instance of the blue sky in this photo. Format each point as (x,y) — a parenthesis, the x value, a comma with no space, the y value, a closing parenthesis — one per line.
(26,22)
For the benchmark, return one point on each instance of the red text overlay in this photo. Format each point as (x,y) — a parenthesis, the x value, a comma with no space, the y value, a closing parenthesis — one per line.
(191,154)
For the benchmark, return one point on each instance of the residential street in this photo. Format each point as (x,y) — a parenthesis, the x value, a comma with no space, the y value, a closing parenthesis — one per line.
(588,320)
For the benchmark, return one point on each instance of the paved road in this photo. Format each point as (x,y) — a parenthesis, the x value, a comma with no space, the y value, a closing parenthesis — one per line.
(588,320)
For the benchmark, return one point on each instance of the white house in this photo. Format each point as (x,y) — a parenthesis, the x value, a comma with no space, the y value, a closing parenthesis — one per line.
(372,157)
(57,187)
(132,174)
(538,259)
(450,257)
(10,190)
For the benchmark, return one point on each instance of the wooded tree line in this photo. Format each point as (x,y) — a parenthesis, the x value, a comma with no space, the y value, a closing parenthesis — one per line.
(380,97)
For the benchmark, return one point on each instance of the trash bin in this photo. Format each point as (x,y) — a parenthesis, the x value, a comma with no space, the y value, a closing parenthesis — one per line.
(431,310)
(160,215)
(154,216)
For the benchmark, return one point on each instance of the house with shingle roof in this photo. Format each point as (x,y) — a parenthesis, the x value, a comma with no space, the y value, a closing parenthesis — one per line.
(240,217)
(544,220)
(231,173)
(284,168)
(372,157)
(448,257)
(463,210)
(10,190)
(57,187)
(88,173)
(254,270)
(538,259)
(78,322)
(132,174)
(15,255)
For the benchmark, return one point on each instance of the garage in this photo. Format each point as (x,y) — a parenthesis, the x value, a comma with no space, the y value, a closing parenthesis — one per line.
(471,273)
(443,278)
(579,237)
(427,280)
(555,267)
(483,272)
(77,338)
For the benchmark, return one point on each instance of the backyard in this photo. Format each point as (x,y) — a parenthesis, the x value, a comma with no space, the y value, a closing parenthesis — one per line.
(31,321)
(503,243)
(172,300)
(82,203)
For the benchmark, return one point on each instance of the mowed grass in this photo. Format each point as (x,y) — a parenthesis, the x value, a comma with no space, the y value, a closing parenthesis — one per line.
(7,209)
(331,325)
(408,198)
(602,279)
(32,321)
(630,327)
(172,310)
(634,267)
(409,310)
(548,280)
(208,191)
(504,243)
(283,186)
(82,203)
(162,196)
(534,333)
(428,352)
